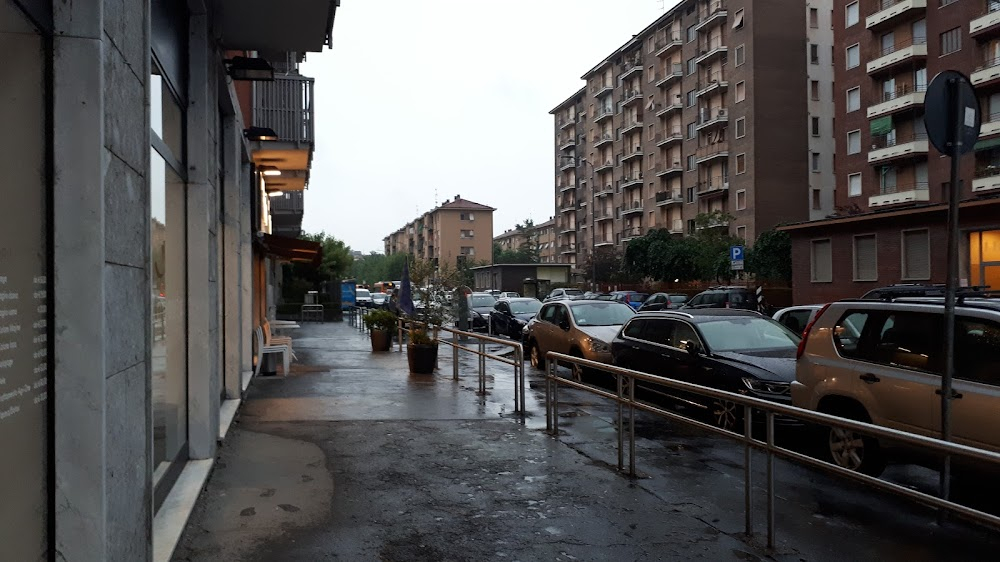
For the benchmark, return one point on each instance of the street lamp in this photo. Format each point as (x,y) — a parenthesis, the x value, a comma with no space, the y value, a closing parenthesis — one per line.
(593,221)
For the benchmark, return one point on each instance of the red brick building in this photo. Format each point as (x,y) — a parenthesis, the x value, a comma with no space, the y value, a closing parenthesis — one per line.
(890,220)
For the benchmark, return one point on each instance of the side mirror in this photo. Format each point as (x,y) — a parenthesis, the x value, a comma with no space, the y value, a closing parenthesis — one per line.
(691,347)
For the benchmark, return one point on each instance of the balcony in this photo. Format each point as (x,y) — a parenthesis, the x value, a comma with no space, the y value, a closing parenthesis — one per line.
(987,73)
(286,107)
(676,227)
(989,20)
(567,249)
(274,26)
(903,52)
(716,185)
(604,190)
(567,143)
(630,179)
(631,68)
(667,198)
(667,110)
(887,148)
(898,195)
(603,241)
(286,214)
(710,117)
(664,45)
(567,164)
(567,204)
(632,97)
(710,52)
(563,188)
(674,167)
(712,223)
(632,232)
(905,97)
(603,139)
(889,11)
(711,83)
(990,125)
(602,89)
(711,152)
(603,113)
(669,137)
(632,154)
(603,215)
(986,179)
(713,14)
(567,229)
(565,123)
(674,72)
(608,165)
(632,208)
(633,125)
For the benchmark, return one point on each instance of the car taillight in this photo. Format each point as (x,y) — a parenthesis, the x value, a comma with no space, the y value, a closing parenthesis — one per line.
(805,333)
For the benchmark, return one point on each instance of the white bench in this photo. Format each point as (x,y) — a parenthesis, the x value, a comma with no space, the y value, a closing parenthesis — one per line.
(263,350)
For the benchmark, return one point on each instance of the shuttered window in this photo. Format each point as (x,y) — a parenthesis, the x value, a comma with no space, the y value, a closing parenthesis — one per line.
(822,261)
(916,255)
(865,258)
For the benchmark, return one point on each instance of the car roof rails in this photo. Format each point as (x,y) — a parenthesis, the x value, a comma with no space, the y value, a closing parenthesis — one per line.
(675,313)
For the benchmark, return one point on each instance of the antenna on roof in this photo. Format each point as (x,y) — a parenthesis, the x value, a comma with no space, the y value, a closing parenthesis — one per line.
(435,196)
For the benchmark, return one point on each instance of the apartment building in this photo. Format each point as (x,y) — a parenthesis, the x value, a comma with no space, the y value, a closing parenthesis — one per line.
(544,234)
(454,231)
(710,108)
(892,185)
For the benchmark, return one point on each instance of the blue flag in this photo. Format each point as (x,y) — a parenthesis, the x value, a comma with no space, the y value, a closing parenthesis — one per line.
(406,292)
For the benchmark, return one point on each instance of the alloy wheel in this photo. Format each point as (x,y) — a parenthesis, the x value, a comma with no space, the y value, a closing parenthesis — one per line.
(847,448)
(536,357)
(724,413)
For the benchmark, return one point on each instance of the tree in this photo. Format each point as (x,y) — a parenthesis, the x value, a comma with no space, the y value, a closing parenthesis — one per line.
(378,267)
(300,278)
(530,248)
(770,258)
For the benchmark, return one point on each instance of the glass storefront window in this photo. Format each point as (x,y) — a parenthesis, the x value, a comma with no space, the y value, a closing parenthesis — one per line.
(166,118)
(24,327)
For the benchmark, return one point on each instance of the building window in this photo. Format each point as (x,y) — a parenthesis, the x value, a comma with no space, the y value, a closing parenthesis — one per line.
(854,99)
(467,217)
(946,2)
(691,98)
(741,200)
(741,163)
(692,132)
(738,20)
(853,56)
(741,91)
(854,185)
(865,258)
(690,195)
(951,41)
(691,34)
(691,66)
(467,234)
(916,255)
(814,89)
(817,200)
(740,54)
(691,226)
(814,53)
(690,162)
(814,18)
(854,142)
(815,126)
(815,162)
(741,127)
(853,14)
(821,261)
(741,232)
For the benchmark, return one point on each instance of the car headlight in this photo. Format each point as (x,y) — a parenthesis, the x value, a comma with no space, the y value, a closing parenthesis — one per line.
(768,387)
(597,346)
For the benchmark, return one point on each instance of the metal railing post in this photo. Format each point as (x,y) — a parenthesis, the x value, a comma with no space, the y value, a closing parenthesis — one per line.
(548,402)
(748,468)
(555,398)
(454,356)
(520,374)
(517,389)
(770,479)
(631,426)
(621,428)
(399,323)
(482,368)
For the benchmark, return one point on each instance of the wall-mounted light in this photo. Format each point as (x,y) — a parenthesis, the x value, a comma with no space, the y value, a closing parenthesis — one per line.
(269,171)
(260,134)
(275,193)
(250,68)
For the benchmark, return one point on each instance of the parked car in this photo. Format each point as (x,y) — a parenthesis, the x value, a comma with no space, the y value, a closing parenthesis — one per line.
(559,294)
(494,292)
(363,298)
(796,318)
(882,362)
(480,307)
(630,298)
(905,290)
(581,328)
(378,299)
(509,316)
(663,301)
(509,295)
(724,297)
(734,350)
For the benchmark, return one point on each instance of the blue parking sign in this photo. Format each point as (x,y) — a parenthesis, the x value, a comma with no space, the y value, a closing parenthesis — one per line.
(736,253)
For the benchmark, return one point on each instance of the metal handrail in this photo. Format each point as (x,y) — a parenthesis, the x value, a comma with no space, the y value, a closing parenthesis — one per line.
(902,44)
(626,379)
(459,335)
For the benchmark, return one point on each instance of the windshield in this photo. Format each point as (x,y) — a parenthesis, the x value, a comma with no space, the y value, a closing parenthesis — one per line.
(745,333)
(573,292)
(525,307)
(482,301)
(363,293)
(379,297)
(601,313)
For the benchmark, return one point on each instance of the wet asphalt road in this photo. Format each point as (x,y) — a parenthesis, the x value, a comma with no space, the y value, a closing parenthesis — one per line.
(352,458)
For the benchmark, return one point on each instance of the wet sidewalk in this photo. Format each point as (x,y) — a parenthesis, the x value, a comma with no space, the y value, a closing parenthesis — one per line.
(352,458)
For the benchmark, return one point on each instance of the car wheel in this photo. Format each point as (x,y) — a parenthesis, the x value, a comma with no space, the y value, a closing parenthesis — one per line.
(727,415)
(854,451)
(537,360)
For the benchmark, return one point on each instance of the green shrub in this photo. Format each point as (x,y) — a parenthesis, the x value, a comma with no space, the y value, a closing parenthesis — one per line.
(380,320)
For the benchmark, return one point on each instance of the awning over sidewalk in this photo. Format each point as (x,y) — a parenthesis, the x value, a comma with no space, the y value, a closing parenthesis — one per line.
(291,249)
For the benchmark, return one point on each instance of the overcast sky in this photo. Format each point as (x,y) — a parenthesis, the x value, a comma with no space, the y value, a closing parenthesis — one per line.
(420,101)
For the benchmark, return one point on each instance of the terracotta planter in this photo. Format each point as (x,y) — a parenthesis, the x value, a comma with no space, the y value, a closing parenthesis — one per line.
(381,340)
(422,357)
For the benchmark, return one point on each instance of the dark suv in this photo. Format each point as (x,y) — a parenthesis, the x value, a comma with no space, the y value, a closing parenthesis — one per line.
(724,297)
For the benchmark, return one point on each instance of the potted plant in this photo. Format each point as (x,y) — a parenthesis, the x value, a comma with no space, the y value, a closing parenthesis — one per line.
(381,324)
(430,312)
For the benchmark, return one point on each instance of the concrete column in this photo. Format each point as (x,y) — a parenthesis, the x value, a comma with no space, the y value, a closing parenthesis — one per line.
(232,259)
(203,384)
(80,327)
(246,268)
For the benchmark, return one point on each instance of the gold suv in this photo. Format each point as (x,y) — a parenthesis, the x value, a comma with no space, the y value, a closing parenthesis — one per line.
(581,328)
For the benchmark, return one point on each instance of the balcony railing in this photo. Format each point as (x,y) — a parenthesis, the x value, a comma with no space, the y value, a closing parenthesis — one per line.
(632,125)
(602,190)
(667,136)
(286,107)
(713,184)
(603,138)
(290,202)
(709,81)
(714,9)
(711,151)
(567,248)
(902,44)
(632,207)
(890,189)
(629,179)
(887,141)
(710,115)
(709,49)
(631,96)
(632,232)
(631,66)
(602,113)
(667,197)
(900,91)
(630,153)
(665,75)
(661,44)
(886,11)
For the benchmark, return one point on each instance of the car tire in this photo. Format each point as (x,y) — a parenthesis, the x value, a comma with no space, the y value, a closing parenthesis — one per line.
(851,450)
(727,415)
(535,356)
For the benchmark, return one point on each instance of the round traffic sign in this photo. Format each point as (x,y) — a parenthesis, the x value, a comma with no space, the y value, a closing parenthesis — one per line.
(951,103)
